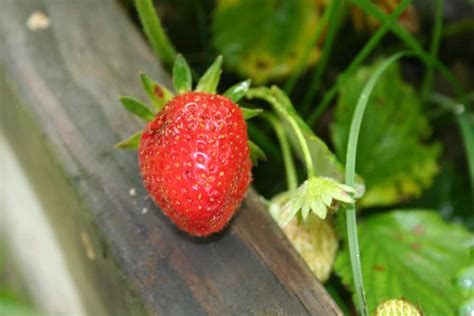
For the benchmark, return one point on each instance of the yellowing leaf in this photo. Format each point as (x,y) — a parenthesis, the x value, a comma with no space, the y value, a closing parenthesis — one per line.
(265,39)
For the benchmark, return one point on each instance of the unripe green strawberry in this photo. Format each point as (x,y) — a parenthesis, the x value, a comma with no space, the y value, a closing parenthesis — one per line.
(314,238)
(397,307)
(195,162)
(316,242)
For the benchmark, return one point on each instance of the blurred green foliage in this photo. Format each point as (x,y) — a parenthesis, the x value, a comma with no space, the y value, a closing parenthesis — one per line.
(392,155)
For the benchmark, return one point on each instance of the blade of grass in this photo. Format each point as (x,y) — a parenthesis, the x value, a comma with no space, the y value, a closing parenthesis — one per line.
(368,7)
(435,39)
(290,84)
(154,31)
(351,220)
(334,23)
(357,61)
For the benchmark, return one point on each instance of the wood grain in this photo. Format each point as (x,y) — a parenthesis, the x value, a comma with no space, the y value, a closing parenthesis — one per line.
(59,108)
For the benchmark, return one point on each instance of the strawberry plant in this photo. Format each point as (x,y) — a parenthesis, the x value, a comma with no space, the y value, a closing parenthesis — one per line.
(413,192)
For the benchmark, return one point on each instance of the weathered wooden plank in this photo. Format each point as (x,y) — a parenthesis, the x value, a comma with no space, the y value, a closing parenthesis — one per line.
(59,109)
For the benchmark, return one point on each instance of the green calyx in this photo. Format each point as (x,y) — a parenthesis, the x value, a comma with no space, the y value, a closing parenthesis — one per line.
(316,195)
(159,96)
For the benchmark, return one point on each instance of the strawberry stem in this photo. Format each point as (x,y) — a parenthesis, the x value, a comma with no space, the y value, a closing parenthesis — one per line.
(304,147)
(291,177)
(154,31)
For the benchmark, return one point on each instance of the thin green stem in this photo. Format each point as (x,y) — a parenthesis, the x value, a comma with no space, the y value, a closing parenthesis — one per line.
(437,28)
(282,105)
(304,146)
(357,61)
(290,84)
(465,121)
(290,170)
(351,220)
(334,19)
(154,31)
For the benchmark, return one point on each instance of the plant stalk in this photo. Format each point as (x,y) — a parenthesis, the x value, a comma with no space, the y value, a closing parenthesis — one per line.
(304,147)
(465,120)
(154,31)
(290,170)
(437,29)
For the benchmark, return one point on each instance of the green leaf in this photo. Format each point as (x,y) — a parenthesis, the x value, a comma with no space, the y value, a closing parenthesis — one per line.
(209,81)
(410,254)
(237,91)
(130,142)
(137,108)
(158,94)
(325,162)
(464,281)
(249,113)
(392,154)
(182,79)
(271,37)
(467,308)
(256,153)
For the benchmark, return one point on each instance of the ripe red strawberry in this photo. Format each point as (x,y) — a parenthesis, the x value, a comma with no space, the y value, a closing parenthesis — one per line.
(194,153)
(195,162)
